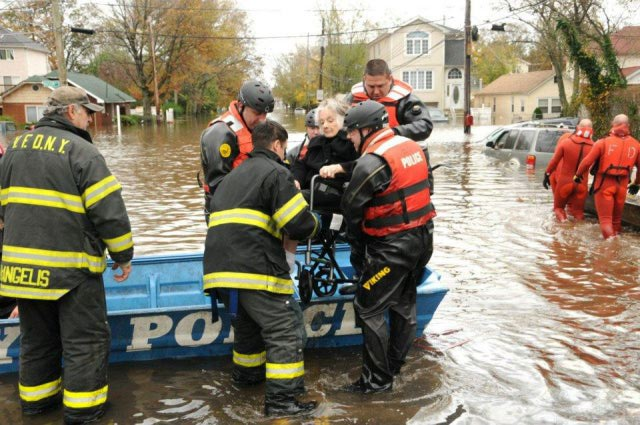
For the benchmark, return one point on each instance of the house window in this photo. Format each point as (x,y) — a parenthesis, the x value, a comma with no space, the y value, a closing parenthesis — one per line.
(419,80)
(417,43)
(455,74)
(543,104)
(556,106)
(521,104)
(9,81)
(6,54)
(34,113)
(513,104)
(494,104)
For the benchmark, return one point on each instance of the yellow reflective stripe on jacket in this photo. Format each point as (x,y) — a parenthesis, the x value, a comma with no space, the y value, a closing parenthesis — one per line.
(289,210)
(42,198)
(49,258)
(82,400)
(120,243)
(245,216)
(249,360)
(259,282)
(285,370)
(31,293)
(40,392)
(100,190)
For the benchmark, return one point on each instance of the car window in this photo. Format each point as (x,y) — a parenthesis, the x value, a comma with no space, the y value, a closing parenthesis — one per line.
(525,140)
(512,136)
(501,139)
(436,113)
(547,140)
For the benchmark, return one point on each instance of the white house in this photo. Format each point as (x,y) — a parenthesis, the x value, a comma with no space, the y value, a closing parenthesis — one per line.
(427,55)
(20,57)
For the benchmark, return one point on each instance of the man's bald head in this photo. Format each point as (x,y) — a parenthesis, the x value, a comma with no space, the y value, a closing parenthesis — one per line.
(585,123)
(620,119)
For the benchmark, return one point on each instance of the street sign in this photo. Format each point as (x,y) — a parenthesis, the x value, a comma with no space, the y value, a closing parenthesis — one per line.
(52,84)
(320,95)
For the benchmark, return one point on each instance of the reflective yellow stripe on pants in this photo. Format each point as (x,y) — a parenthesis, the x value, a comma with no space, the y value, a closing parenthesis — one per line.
(84,400)
(285,370)
(40,392)
(249,360)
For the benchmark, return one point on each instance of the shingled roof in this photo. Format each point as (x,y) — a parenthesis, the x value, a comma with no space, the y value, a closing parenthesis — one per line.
(17,40)
(626,41)
(520,83)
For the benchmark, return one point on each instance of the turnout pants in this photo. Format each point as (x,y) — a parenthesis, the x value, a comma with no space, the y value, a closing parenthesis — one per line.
(393,267)
(609,200)
(73,328)
(269,339)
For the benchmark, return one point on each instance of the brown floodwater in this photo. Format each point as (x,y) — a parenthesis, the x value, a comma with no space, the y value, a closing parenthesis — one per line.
(541,324)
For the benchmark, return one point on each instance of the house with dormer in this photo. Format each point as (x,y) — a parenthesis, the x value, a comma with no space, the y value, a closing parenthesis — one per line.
(427,55)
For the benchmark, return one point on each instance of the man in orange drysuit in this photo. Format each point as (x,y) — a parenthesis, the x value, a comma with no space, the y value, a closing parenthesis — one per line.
(571,149)
(616,155)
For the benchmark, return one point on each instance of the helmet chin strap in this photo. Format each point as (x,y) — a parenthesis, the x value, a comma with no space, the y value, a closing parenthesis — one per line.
(364,138)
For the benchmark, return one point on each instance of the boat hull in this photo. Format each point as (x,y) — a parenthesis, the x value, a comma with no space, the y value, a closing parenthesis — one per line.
(160,312)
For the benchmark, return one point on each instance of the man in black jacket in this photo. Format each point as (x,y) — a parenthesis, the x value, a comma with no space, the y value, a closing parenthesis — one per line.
(255,206)
(62,208)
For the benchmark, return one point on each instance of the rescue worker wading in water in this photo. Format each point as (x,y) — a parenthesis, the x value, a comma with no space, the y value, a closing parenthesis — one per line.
(570,150)
(62,208)
(616,154)
(388,211)
(245,264)
(226,143)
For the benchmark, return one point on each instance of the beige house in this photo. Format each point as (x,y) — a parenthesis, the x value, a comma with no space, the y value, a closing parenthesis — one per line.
(428,56)
(20,57)
(514,97)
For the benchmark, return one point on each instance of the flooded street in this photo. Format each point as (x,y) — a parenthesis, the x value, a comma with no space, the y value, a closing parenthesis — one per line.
(541,324)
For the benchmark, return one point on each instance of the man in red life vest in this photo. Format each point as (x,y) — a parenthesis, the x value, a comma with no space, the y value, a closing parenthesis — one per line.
(408,116)
(571,149)
(616,154)
(226,143)
(388,212)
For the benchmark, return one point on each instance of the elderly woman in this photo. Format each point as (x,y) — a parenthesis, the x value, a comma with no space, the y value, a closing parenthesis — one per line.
(330,147)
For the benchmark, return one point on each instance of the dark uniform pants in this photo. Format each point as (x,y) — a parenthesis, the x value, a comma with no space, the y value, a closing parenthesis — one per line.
(393,267)
(269,339)
(74,328)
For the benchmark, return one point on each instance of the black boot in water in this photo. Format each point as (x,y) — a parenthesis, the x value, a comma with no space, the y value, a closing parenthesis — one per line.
(288,406)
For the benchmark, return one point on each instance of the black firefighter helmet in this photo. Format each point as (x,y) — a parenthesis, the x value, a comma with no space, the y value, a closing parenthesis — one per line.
(256,95)
(367,114)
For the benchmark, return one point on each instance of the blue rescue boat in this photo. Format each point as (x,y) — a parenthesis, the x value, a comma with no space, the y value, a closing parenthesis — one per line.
(160,312)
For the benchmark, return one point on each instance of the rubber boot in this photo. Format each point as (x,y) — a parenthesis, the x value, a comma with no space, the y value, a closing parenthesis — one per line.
(361,387)
(282,405)
(83,416)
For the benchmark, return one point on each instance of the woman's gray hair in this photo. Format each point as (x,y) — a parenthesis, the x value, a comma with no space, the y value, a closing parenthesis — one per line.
(337,106)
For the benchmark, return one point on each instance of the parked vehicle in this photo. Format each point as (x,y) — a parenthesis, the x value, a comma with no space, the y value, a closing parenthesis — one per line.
(160,312)
(533,146)
(437,115)
(7,127)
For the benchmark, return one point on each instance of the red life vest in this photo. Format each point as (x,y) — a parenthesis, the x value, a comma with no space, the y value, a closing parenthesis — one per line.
(234,121)
(399,90)
(619,156)
(406,202)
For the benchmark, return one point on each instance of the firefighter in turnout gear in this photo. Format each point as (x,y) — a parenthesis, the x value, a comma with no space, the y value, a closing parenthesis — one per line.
(226,143)
(388,211)
(62,208)
(254,207)
(616,156)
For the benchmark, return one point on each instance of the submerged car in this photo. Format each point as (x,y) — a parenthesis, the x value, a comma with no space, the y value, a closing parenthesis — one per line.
(533,146)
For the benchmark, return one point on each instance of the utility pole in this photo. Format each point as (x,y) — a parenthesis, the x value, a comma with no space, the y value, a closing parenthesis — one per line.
(322,43)
(155,73)
(468,118)
(57,33)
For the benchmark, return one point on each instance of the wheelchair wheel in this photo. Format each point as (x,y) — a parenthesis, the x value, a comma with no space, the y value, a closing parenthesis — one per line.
(322,286)
(305,283)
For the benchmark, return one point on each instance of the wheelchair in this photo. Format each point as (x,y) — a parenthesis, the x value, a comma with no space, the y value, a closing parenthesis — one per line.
(321,273)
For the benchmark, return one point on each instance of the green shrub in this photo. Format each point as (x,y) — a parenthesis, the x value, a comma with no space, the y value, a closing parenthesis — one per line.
(130,119)
(177,108)
(537,114)
(7,118)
